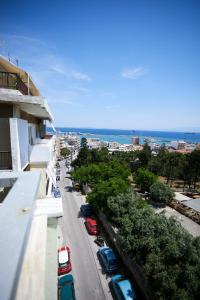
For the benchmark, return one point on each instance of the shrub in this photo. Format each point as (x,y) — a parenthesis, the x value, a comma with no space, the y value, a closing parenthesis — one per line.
(160,192)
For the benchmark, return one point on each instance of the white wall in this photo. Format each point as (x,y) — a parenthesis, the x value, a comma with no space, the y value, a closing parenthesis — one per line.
(19,143)
(32,133)
(23,141)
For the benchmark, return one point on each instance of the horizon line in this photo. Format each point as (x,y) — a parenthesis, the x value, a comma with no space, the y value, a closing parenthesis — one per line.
(156,130)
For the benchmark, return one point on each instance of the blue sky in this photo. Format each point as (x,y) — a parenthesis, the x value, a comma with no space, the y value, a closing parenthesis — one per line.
(110,64)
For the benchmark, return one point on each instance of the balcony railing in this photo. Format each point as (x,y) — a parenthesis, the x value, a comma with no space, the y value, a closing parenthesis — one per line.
(5,160)
(12,81)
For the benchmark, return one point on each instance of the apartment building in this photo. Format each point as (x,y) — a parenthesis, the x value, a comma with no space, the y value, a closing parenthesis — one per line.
(28,212)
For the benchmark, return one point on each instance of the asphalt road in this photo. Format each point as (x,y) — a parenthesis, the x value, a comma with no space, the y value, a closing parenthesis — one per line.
(90,282)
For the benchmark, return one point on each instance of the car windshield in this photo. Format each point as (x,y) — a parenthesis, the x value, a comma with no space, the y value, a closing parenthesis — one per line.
(64,264)
(94,226)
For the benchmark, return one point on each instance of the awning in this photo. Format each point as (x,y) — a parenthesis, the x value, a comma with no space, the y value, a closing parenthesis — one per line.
(52,207)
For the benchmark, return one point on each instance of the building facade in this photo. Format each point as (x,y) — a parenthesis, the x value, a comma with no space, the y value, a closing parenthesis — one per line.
(28,211)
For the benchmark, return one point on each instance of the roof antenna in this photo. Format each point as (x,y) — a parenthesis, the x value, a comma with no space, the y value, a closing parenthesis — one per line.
(9,56)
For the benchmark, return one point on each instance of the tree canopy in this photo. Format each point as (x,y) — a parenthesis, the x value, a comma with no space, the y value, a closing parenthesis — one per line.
(160,192)
(64,151)
(144,179)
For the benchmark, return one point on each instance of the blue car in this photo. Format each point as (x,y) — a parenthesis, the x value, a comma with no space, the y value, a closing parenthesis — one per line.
(108,259)
(86,210)
(57,193)
(122,288)
(66,288)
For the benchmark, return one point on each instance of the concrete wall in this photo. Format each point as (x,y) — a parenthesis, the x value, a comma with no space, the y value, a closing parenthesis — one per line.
(19,143)
(23,142)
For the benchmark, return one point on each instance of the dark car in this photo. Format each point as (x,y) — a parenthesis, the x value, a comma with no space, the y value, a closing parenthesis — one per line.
(66,288)
(58,172)
(122,288)
(70,188)
(108,259)
(86,210)
(99,241)
(76,185)
(56,193)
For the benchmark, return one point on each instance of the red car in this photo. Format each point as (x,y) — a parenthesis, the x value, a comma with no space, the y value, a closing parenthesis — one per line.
(91,226)
(64,262)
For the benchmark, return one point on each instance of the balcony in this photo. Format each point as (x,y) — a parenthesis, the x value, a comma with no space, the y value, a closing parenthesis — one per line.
(12,81)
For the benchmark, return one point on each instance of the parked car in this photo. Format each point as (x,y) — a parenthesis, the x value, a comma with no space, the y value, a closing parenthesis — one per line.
(86,210)
(57,171)
(66,288)
(57,165)
(122,288)
(108,259)
(91,226)
(76,185)
(56,193)
(69,188)
(58,178)
(69,169)
(64,262)
(99,240)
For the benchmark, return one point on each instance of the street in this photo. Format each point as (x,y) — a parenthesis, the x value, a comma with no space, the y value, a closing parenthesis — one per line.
(90,283)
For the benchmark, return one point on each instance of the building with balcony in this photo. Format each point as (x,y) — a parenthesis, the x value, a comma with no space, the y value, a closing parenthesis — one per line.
(28,212)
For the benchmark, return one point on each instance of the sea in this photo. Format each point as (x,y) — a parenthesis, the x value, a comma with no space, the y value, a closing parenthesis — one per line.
(124,136)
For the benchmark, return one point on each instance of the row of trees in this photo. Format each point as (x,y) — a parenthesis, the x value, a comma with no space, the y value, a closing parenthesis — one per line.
(104,173)
(168,255)
(105,179)
(171,165)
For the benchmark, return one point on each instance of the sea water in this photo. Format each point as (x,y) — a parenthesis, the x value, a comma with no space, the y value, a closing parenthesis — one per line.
(124,136)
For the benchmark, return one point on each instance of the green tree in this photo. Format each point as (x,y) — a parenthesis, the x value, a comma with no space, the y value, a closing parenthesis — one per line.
(194,163)
(157,163)
(172,166)
(120,206)
(64,151)
(105,189)
(144,179)
(160,192)
(83,142)
(83,159)
(144,156)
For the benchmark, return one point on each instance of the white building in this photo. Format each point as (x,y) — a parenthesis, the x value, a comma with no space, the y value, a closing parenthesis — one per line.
(178,145)
(28,212)
(113,145)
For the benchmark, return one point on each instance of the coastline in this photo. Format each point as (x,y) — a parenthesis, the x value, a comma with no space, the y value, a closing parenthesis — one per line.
(124,136)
